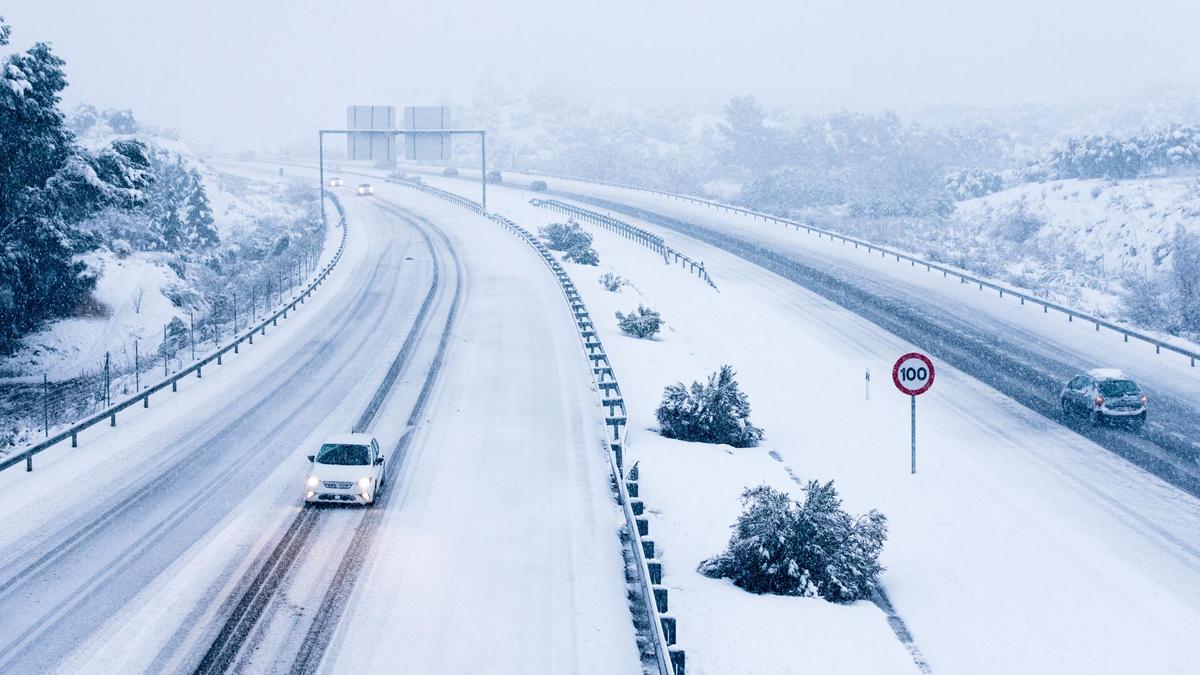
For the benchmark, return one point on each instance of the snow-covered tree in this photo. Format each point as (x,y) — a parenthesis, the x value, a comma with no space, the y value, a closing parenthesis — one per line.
(584,255)
(643,322)
(565,236)
(809,548)
(48,185)
(715,412)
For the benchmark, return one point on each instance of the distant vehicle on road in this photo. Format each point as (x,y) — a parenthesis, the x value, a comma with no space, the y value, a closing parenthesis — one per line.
(335,182)
(405,177)
(1105,395)
(364,189)
(347,469)
(539,186)
(450,171)
(494,177)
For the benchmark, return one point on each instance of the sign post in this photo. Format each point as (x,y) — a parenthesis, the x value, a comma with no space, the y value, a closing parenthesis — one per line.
(913,375)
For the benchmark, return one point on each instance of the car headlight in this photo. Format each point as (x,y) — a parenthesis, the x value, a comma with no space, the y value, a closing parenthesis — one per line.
(312,482)
(365,482)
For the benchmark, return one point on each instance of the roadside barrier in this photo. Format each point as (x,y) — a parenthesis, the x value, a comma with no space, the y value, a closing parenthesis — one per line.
(110,413)
(669,656)
(643,237)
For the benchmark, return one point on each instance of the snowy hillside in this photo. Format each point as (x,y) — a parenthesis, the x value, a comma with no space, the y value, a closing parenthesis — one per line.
(138,292)
(1081,240)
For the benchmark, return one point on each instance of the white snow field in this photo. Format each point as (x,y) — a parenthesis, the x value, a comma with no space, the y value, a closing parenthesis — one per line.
(1018,547)
(498,550)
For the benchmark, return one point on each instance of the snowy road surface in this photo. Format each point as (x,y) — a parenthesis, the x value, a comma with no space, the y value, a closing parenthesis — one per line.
(1020,546)
(497,546)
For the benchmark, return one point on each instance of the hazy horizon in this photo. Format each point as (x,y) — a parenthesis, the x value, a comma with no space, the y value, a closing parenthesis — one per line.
(264,74)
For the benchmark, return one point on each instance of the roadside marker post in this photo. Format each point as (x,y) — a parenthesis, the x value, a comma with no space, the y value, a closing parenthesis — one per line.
(868,377)
(913,375)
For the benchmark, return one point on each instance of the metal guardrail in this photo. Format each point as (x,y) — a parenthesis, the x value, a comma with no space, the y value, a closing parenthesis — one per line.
(110,413)
(886,252)
(669,657)
(643,237)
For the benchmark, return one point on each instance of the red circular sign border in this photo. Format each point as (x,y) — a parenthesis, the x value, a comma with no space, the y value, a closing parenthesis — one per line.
(896,373)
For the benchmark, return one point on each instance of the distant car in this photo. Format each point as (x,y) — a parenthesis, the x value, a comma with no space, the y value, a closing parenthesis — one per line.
(450,171)
(494,177)
(539,186)
(1105,395)
(347,469)
(335,182)
(364,189)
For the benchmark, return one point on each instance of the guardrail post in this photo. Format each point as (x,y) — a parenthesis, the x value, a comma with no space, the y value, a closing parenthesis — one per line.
(655,569)
(175,386)
(112,420)
(146,401)
(677,660)
(74,440)
(660,598)
(668,626)
(199,374)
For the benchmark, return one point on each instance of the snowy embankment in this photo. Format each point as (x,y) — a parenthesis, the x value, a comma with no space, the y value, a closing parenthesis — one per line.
(1077,239)
(1018,547)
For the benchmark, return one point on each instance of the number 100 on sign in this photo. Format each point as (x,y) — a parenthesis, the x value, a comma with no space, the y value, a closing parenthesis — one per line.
(913,374)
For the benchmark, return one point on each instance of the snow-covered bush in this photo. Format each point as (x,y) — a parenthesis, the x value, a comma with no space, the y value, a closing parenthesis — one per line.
(643,322)
(971,183)
(716,412)
(565,236)
(121,248)
(612,282)
(1169,303)
(807,548)
(584,255)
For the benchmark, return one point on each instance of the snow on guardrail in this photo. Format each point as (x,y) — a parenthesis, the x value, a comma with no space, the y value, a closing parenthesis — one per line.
(110,413)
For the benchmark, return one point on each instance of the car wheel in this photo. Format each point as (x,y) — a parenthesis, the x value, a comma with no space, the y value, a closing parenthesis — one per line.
(1139,422)
(1097,418)
(1065,408)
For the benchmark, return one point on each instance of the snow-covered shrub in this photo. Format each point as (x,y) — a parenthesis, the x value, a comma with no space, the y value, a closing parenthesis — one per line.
(565,236)
(643,322)
(716,412)
(584,255)
(971,183)
(121,248)
(807,548)
(612,282)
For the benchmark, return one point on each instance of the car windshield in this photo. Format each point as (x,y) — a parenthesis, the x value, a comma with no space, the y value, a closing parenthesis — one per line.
(1118,388)
(346,455)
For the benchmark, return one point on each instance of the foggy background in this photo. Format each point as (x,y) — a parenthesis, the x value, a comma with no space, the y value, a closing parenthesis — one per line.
(261,74)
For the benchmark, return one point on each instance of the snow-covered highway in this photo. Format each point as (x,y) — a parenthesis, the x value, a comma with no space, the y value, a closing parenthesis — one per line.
(150,548)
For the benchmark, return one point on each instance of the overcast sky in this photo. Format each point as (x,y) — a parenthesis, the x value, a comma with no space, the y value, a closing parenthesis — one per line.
(257,73)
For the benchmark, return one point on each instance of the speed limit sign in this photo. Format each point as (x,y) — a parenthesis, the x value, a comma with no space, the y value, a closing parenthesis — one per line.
(913,375)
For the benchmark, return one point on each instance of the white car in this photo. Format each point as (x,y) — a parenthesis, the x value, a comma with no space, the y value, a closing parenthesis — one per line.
(335,182)
(365,189)
(347,469)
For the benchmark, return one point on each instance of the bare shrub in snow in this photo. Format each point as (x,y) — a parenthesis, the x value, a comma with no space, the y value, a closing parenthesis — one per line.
(612,282)
(584,255)
(121,248)
(716,412)
(643,322)
(565,236)
(805,548)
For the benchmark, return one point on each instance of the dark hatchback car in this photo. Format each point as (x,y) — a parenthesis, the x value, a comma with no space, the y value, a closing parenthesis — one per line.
(1105,395)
